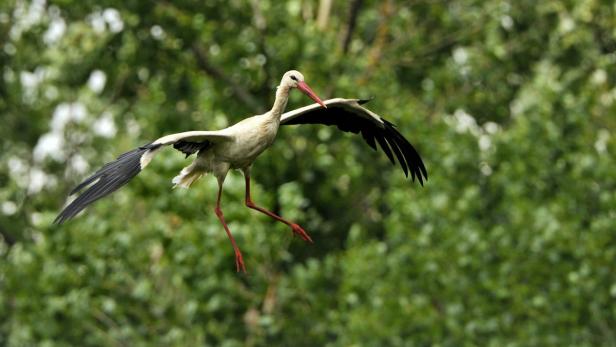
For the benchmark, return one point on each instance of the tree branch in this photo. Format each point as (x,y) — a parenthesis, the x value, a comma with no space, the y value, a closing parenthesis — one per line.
(376,52)
(7,237)
(323,15)
(444,44)
(348,34)
(260,24)
(204,64)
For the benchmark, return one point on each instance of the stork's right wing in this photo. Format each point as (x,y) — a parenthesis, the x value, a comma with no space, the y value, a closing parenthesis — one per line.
(112,176)
(350,116)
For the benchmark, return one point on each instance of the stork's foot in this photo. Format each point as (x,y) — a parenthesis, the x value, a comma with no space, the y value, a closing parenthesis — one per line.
(239,262)
(297,230)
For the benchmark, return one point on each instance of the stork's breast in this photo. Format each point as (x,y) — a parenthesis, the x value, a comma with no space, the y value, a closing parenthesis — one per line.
(247,146)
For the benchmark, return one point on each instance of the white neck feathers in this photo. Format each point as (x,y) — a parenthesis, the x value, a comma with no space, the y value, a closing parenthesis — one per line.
(282,96)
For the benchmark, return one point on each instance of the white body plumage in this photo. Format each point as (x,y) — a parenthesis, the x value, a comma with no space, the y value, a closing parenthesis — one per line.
(242,144)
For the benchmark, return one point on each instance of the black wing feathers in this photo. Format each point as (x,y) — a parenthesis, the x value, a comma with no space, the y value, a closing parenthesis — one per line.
(189,148)
(372,131)
(369,138)
(106,180)
(385,147)
(112,176)
(411,156)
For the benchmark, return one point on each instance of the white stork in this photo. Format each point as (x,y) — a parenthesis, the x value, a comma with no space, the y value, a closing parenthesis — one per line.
(237,147)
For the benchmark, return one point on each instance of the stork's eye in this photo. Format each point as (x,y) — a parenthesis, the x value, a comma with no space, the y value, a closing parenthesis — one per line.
(293,77)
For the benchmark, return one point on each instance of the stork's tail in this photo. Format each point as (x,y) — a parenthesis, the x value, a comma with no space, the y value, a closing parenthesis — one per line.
(111,177)
(187,176)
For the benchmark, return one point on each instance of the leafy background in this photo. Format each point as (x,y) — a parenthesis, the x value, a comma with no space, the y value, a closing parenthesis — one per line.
(510,243)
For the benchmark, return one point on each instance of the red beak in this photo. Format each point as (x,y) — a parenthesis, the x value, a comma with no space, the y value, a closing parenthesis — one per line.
(301,85)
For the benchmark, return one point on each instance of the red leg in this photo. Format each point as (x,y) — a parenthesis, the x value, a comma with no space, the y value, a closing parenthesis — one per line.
(297,230)
(239,261)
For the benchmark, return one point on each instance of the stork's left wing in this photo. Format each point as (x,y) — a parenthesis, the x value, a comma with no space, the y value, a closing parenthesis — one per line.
(113,175)
(348,115)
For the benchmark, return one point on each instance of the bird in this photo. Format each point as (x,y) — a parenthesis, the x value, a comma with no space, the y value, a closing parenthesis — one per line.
(237,147)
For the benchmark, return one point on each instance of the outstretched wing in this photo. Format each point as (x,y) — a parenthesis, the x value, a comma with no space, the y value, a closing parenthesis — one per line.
(112,176)
(348,115)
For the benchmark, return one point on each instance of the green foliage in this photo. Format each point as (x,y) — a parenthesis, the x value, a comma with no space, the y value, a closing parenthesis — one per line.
(510,243)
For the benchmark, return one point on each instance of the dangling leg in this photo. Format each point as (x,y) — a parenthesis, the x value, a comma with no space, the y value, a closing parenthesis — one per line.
(296,228)
(239,262)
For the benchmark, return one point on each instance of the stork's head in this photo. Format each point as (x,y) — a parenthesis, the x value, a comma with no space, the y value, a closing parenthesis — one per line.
(295,79)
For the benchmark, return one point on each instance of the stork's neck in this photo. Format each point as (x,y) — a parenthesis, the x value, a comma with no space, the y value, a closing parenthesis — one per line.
(282,96)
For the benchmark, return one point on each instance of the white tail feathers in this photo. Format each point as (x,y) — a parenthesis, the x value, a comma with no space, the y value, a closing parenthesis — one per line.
(187,176)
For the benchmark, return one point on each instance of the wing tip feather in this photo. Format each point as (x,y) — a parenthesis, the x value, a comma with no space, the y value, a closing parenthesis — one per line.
(411,156)
(365,101)
(107,180)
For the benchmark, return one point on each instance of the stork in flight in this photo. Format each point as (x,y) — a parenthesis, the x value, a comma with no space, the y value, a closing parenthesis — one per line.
(237,147)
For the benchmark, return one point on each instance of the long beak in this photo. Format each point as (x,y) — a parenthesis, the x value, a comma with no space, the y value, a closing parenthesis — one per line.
(301,85)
